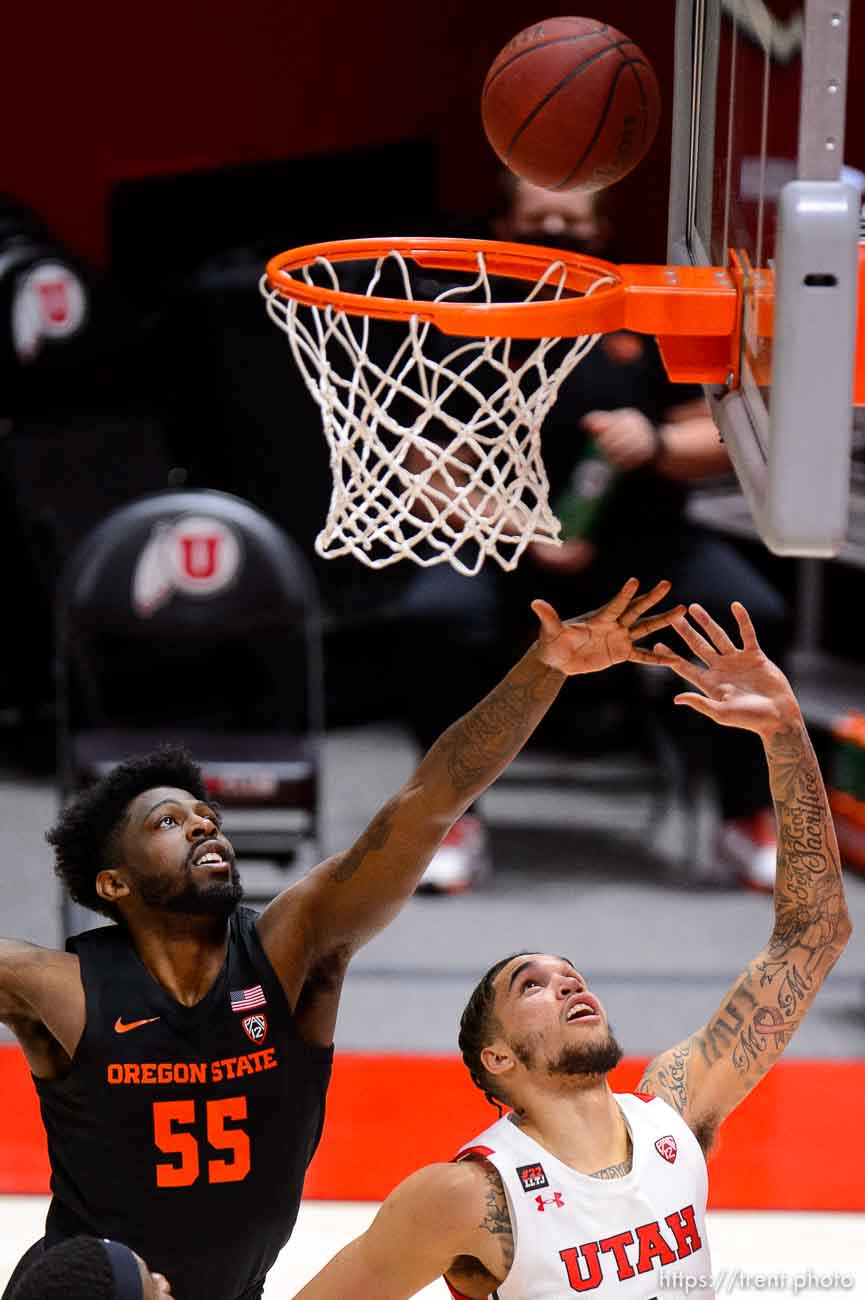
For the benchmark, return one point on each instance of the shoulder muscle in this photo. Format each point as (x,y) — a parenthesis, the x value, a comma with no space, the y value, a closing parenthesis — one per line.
(41,985)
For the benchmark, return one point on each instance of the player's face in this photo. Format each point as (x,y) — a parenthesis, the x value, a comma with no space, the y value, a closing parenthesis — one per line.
(153,1285)
(569,219)
(176,856)
(551,1021)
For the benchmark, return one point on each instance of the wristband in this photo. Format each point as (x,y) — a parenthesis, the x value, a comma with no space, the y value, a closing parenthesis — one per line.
(658,450)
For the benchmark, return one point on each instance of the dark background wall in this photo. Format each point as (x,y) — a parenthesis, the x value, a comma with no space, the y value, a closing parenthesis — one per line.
(101,93)
(152,138)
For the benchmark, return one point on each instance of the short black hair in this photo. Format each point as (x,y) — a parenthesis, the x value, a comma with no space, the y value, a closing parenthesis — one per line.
(477,1028)
(78,1269)
(84,835)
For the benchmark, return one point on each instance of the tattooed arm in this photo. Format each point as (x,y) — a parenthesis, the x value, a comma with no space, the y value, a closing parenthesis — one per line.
(349,898)
(449,1219)
(709,1073)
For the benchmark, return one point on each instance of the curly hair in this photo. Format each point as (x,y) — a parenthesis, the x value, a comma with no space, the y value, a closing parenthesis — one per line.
(73,1270)
(84,836)
(478,1026)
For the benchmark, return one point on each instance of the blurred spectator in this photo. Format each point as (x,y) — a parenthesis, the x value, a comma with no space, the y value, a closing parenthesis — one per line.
(621,445)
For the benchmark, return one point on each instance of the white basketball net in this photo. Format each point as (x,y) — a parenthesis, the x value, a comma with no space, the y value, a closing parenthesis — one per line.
(434,440)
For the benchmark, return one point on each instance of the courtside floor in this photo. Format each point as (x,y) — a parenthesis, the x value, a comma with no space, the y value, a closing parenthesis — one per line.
(785,1254)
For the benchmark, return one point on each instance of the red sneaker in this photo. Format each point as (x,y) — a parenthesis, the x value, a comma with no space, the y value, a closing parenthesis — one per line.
(461,860)
(750,846)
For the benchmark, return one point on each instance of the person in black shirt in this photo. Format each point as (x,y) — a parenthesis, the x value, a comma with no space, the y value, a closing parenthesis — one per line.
(182,1055)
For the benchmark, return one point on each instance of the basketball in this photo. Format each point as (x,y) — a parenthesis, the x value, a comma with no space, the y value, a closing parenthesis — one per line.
(571,103)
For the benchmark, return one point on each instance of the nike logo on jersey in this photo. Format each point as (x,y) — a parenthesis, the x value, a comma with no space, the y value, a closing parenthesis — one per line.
(121,1028)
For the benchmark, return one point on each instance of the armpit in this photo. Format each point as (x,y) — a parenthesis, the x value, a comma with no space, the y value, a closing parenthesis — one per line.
(666,1077)
(46,1058)
(469,1279)
(469,1267)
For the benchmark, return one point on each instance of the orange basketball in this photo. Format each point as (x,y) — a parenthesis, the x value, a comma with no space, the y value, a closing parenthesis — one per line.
(571,103)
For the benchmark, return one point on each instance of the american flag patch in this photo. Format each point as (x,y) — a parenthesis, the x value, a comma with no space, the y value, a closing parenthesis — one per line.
(246,999)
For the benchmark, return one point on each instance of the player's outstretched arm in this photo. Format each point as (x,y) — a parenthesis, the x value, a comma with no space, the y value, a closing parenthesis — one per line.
(709,1073)
(20,970)
(347,899)
(443,1219)
(41,1001)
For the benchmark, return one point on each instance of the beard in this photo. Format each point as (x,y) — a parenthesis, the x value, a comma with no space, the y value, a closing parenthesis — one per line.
(595,1058)
(592,247)
(218,898)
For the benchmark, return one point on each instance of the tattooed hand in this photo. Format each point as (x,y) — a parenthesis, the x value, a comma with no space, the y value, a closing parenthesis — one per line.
(741,687)
(606,636)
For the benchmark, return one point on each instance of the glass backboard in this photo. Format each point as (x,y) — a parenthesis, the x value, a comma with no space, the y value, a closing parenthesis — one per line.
(757,186)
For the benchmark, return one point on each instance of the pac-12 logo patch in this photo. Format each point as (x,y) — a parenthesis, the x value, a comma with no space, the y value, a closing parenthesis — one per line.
(666,1147)
(255,1028)
(532,1177)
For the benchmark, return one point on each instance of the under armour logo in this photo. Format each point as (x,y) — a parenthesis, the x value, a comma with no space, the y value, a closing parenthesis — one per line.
(543,1201)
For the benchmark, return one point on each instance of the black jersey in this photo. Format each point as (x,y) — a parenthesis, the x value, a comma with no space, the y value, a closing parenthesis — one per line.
(185,1132)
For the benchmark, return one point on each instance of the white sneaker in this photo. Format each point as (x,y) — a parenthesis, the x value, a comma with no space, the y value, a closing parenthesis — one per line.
(461,860)
(749,845)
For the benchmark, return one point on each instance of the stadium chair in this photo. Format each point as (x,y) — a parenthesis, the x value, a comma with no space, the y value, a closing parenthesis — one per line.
(622,745)
(188,616)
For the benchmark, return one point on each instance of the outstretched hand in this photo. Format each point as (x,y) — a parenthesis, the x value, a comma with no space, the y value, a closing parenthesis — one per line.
(740,686)
(606,636)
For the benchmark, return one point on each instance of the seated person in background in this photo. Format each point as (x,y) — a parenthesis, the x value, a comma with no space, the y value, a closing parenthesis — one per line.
(621,444)
(90,1268)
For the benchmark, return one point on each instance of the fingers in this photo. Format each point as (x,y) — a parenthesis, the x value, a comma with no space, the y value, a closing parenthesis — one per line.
(625,437)
(714,630)
(682,667)
(639,656)
(700,704)
(702,648)
(746,627)
(624,596)
(596,422)
(641,603)
(654,624)
(551,624)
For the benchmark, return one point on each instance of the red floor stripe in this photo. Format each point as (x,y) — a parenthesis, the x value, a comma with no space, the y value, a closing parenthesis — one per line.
(23,1154)
(795,1144)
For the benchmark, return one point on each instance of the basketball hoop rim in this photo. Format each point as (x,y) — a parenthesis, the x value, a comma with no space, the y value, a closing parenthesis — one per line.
(695,301)
(528,262)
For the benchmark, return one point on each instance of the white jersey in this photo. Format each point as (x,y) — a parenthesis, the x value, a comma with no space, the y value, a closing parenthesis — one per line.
(632,1238)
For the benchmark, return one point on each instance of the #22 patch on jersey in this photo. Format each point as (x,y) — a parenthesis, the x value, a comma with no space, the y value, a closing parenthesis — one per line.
(532,1177)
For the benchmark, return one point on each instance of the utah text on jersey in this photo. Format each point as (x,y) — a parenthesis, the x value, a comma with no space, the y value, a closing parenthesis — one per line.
(586,1267)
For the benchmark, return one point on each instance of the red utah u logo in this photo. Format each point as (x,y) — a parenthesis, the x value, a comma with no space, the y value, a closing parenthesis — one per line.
(199,555)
